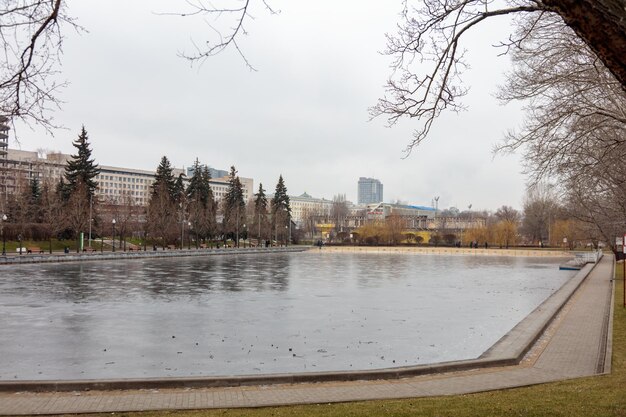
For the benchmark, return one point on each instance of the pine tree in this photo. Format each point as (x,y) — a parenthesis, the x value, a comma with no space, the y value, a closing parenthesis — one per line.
(178,194)
(164,178)
(260,214)
(206,181)
(281,210)
(234,207)
(260,201)
(280,201)
(201,202)
(162,210)
(35,190)
(35,200)
(195,189)
(81,168)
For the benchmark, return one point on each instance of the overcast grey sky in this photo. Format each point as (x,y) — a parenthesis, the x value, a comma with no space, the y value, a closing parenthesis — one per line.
(303,114)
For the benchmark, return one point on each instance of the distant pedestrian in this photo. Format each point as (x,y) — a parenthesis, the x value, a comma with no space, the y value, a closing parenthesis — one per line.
(486,245)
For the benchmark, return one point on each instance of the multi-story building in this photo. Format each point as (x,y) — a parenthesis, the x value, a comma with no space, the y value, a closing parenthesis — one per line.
(4,136)
(215,173)
(219,186)
(4,146)
(304,206)
(370,191)
(115,184)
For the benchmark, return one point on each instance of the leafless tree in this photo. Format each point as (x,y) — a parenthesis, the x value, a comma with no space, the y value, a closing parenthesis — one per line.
(162,216)
(540,209)
(76,211)
(505,233)
(51,212)
(31,42)
(507,213)
(395,225)
(575,111)
(429,56)
(126,212)
(575,129)
(338,213)
(311,216)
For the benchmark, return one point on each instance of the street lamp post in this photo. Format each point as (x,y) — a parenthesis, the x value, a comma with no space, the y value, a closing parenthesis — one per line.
(246,234)
(90,219)
(237,232)
(189,236)
(4,241)
(113,240)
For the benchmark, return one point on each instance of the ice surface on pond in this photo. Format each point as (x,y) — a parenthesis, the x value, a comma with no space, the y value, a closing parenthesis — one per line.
(265,313)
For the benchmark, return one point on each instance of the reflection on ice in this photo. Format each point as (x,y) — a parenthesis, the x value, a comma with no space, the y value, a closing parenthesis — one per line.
(266,313)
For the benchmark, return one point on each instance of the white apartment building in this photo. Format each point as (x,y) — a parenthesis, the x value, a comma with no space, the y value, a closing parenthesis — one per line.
(114,183)
(304,204)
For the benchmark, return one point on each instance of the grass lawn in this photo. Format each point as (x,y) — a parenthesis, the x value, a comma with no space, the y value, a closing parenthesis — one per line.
(585,397)
(57,245)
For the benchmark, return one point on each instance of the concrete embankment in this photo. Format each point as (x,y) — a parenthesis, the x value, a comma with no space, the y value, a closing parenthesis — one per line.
(101,256)
(450,251)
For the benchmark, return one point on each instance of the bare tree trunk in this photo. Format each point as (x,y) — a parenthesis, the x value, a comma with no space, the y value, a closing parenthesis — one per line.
(602,25)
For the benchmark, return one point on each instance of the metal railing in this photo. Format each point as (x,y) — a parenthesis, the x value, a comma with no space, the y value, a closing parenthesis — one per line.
(583,258)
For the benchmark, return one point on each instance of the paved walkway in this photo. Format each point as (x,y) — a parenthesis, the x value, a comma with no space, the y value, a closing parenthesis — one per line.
(574,345)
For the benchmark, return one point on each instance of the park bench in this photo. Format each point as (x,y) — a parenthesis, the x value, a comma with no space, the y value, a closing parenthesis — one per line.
(203,246)
(89,249)
(172,247)
(34,249)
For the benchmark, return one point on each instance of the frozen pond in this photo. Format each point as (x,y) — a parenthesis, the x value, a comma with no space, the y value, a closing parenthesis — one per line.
(264,313)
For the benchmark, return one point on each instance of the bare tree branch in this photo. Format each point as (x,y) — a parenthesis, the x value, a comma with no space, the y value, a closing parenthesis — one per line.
(233,14)
(430,37)
(31,42)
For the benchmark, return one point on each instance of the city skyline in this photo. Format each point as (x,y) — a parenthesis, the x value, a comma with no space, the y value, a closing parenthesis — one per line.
(306,105)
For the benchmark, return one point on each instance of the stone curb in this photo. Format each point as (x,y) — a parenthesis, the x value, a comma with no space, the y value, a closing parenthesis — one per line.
(98,256)
(508,351)
(452,251)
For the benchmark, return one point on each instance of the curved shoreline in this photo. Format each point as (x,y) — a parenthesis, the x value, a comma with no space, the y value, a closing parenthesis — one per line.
(107,256)
(14,259)
(450,251)
(509,350)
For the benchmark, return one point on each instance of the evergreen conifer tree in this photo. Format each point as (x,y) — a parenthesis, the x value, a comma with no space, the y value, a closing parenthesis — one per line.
(35,200)
(35,189)
(164,178)
(234,207)
(260,214)
(162,211)
(280,201)
(195,189)
(178,194)
(81,168)
(201,202)
(260,201)
(206,181)
(281,209)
